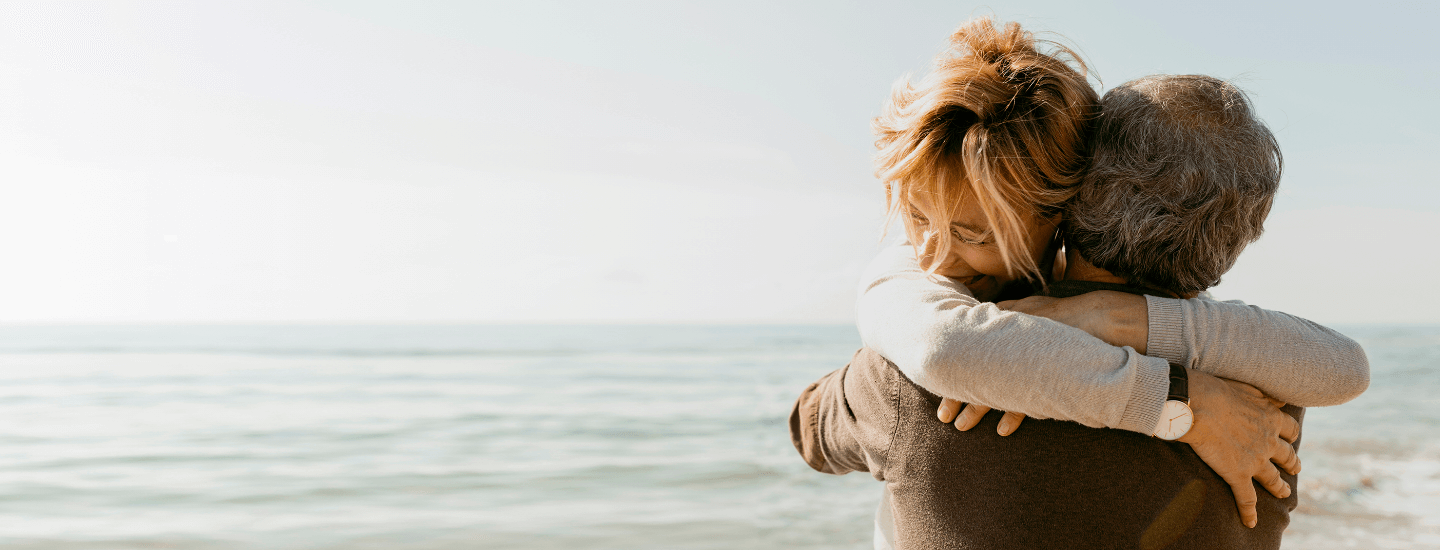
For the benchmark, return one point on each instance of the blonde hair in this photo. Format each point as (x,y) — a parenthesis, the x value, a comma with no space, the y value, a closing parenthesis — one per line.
(997,121)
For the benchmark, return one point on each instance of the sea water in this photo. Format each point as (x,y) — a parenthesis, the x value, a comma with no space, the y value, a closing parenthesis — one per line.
(409,437)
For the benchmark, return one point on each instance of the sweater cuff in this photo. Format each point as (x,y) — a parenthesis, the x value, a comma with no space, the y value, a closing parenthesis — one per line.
(1152,385)
(1166,323)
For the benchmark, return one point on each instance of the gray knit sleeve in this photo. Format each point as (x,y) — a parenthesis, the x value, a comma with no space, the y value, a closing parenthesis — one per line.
(1287,357)
(1166,324)
(948,342)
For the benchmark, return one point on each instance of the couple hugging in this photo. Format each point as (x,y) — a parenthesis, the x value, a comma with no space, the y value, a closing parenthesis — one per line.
(1159,418)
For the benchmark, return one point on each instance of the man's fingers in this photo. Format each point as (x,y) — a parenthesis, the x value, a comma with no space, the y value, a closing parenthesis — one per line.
(1270,479)
(1285,457)
(1244,500)
(1005,305)
(1009,423)
(970,416)
(948,409)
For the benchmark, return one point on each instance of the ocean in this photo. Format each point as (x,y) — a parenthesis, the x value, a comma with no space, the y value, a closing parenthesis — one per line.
(535,437)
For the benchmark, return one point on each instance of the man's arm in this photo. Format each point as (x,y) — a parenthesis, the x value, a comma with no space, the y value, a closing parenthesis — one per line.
(844,422)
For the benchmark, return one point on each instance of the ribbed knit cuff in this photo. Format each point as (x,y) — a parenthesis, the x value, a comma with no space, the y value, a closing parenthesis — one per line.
(1166,322)
(1152,385)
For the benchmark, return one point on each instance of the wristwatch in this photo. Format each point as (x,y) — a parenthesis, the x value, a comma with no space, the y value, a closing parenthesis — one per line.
(1176,417)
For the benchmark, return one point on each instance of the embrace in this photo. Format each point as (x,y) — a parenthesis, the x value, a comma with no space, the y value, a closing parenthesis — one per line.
(1058,251)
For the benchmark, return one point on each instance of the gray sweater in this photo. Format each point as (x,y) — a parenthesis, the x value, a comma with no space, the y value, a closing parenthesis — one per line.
(951,344)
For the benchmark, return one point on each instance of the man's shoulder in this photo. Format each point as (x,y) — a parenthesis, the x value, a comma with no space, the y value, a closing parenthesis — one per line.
(870,364)
(870,379)
(866,356)
(870,375)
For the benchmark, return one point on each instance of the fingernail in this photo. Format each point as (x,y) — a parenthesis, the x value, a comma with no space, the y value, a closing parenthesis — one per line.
(1287,491)
(1005,427)
(1250,523)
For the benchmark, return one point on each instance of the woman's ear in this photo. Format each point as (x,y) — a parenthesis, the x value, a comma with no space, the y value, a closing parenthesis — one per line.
(1057,271)
(1052,261)
(1055,221)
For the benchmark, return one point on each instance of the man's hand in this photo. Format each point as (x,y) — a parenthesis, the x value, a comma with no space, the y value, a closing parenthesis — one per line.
(972,415)
(1118,318)
(1242,434)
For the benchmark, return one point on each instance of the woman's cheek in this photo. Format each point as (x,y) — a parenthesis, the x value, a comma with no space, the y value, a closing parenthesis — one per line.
(955,267)
(987,263)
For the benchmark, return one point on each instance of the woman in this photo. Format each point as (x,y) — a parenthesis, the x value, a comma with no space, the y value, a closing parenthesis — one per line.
(979,157)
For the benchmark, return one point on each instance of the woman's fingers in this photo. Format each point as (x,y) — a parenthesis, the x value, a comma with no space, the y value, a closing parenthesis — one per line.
(1285,457)
(1269,478)
(1245,499)
(1034,305)
(971,416)
(948,409)
(1289,427)
(1009,423)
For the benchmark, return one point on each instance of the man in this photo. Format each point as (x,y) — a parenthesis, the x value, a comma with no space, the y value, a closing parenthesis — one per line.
(1132,228)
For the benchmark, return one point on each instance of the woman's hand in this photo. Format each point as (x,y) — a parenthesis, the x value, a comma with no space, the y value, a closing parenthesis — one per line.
(972,415)
(1118,318)
(1242,435)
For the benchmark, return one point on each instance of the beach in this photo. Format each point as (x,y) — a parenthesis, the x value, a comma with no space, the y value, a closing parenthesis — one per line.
(510,437)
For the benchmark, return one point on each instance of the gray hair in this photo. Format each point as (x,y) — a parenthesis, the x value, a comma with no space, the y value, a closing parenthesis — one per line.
(1182,178)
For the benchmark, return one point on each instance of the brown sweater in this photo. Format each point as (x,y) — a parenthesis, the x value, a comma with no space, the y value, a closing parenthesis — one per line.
(1050,484)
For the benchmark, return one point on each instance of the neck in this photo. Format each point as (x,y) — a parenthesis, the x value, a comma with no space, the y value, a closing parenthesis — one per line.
(1077,268)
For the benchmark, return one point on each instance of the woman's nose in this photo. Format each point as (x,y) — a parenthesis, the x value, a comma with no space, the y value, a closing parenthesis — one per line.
(928,250)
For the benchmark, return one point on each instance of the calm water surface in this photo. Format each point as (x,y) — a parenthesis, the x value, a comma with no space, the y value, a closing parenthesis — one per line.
(534,437)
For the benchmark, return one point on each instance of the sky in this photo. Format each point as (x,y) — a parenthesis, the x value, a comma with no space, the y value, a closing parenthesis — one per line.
(658,161)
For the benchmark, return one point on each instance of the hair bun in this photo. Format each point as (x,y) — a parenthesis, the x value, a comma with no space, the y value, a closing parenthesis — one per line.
(996,120)
(979,39)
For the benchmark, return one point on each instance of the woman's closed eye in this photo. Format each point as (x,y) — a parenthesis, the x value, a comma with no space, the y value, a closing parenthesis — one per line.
(982,240)
(919,218)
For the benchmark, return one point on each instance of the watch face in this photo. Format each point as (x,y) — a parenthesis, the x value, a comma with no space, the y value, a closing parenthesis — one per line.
(1175,421)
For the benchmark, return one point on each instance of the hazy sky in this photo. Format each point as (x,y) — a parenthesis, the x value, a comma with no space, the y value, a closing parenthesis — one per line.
(617,161)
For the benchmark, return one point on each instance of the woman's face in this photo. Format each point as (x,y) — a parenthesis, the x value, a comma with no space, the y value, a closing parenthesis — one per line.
(974,254)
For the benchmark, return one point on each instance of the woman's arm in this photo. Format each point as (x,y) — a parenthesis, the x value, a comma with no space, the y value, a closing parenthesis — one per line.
(945,340)
(1242,435)
(1288,358)
(948,342)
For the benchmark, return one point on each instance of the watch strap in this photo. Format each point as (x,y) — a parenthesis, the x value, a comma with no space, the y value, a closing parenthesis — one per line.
(1179,384)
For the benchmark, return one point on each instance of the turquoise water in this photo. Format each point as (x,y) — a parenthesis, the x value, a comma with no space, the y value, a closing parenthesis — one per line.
(533,437)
